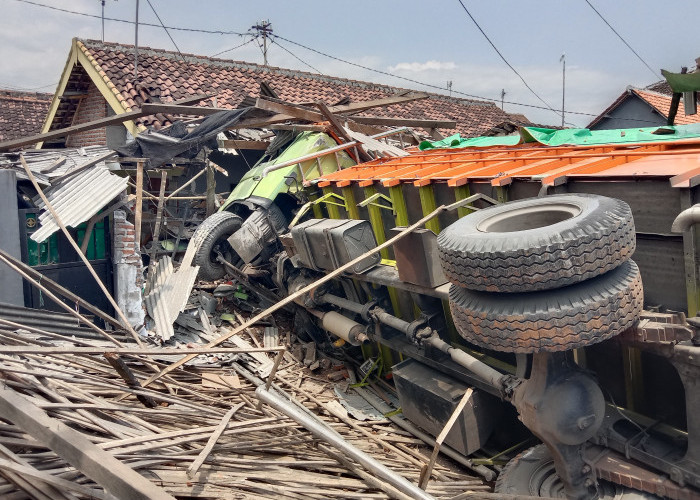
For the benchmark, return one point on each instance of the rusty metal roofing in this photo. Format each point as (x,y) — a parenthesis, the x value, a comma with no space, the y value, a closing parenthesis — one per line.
(77,198)
(551,166)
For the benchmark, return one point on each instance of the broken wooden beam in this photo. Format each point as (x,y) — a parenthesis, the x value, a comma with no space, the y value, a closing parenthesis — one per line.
(179,109)
(404,122)
(292,110)
(127,375)
(100,466)
(241,144)
(74,129)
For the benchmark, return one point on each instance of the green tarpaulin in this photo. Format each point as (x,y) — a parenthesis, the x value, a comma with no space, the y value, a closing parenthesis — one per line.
(681,82)
(571,137)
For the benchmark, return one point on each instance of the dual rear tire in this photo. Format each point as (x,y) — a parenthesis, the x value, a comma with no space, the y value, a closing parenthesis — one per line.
(543,275)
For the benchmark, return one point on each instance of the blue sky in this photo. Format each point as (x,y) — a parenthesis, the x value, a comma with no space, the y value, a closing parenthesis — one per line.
(430,42)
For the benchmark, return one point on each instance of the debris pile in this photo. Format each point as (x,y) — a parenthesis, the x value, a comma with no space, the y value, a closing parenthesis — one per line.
(178,394)
(195,433)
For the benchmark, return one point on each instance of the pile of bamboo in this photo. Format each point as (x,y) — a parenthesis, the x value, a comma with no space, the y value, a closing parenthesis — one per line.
(194,433)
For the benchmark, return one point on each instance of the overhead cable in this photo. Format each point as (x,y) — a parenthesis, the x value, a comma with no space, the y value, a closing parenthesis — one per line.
(127,21)
(296,57)
(233,48)
(620,37)
(166,29)
(503,58)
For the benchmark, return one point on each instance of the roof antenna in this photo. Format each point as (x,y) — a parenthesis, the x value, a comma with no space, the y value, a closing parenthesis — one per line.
(136,43)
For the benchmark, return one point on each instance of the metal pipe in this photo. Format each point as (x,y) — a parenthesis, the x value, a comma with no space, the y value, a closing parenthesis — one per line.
(686,219)
(341,302)
(480,369)
(328,435)
(391,320)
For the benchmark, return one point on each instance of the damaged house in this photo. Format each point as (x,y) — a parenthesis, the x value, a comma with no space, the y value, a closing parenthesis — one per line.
(99,83)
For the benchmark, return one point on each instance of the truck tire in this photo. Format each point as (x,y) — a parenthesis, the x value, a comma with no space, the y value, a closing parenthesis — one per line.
(550,320)
(211,236)
(537,244)
(532,473)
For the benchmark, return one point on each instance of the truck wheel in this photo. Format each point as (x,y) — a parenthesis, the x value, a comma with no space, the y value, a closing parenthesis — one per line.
(537,244)
(209,238)
(532,473)
(550,320)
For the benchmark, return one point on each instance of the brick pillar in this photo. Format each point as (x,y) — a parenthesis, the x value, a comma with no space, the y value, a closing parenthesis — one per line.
(128,270)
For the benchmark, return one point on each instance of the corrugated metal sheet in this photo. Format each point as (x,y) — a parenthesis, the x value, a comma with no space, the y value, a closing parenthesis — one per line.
(50,165)
(78,198)
(548,165)
(49,321)
(168,294)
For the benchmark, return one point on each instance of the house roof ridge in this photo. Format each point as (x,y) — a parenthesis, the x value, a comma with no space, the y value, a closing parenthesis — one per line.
(91,43)
(22,95)
(652,92)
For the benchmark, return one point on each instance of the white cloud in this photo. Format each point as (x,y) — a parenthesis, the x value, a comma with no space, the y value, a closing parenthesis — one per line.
(418,67)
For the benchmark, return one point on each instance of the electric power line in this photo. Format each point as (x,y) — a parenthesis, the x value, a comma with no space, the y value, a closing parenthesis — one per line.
(429,85)
(482,98)
(220,32)
(166,29)
(620,37)
(127,21)
(502,57)
(233,48)
(296,57)
(15,87)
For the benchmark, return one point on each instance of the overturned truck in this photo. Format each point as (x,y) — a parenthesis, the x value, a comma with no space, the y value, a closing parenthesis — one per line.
(514,274)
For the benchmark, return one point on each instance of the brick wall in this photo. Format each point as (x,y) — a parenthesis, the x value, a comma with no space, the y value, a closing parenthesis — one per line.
(124,247)
(128,271)
(92,107)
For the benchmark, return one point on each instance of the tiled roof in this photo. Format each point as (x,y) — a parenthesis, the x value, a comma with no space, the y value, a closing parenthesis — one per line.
(22,113)
(662,104)
(662,87)
(167,76)
(659,101)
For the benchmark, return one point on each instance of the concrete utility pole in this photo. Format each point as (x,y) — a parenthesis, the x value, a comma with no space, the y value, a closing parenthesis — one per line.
(503,94)
(263,28)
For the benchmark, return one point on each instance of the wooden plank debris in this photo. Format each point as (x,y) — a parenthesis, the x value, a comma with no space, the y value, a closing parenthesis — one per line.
(194,467)
(241,144)
(116,477)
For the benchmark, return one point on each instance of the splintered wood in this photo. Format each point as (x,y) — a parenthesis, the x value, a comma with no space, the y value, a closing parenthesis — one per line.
(74,427)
